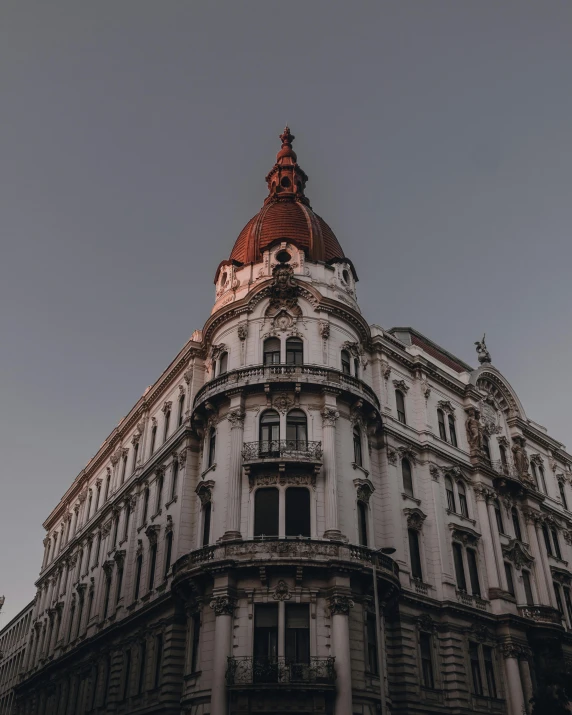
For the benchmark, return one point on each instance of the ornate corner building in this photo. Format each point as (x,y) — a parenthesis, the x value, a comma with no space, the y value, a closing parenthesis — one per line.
(307,514)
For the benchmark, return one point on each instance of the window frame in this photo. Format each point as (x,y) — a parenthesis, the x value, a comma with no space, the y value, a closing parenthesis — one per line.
(274,353)
(426,673)
(297,352)
(407,477)
(400,407)
(441,424)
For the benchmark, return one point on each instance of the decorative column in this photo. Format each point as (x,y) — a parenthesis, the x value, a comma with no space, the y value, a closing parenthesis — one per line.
(330,416)
(531,518)
(339,609)
(511,653)
(492,568)
(223,606)
(236,420)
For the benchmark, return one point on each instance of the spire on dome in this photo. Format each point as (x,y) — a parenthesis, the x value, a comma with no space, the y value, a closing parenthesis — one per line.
(286,180)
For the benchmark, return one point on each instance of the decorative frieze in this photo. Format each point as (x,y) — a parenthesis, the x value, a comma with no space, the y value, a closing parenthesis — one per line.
(401,385)
(415,518)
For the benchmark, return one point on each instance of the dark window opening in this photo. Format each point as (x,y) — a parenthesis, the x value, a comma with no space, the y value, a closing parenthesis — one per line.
(450,494)
(459,567)
(207,523)
(270,433)
(441,422)
(486,447)
(181,410)
(272,351)
(196,625)
(297,512)
(452,430)
(547,543)
(158,660)
(527,588)
(516,524)
(489,671)
(265,642)
(297,636)
(223,364)
(152,564)
(362,523)
(169,548)
(346,363)
(357,446)
(142,667)
(212,448)
(463,499)
(174,479)
(153,438)
(473,572)
(400,404)
(562,494)
(498,516)
(266,512)
(294,351)
(557,551)
(166,428)
(138,568)
(425,646)
(145,505)
(476,668)
(509,578)
(127,674)
(415,554)
(297,430)
(407,477)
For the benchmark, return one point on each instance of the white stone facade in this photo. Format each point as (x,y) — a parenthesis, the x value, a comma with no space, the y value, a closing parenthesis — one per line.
(216,555)
(13,639)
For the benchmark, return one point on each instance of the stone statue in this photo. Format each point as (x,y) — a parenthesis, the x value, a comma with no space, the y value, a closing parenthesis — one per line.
(474,430)
(521,461)
(284,290)
(482,352)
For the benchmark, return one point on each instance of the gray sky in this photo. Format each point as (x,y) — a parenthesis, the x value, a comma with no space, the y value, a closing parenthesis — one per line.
(135,137)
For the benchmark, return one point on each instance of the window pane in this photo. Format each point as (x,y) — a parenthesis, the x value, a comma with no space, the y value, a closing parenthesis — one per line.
(294,351)
(490,671)
(269,431)
(272,351)
(357,446)
(400,404)
(426,660)
(362,523)
(475,668)
(462,499)
(452,431)
(207,509)
(407,477)
(297,640)
(296,429)
(415,554)
(547,542)
(527,588)
(297,511)
(266,512)
(459,567)
(473,572)
(558,597)
(265,641)
(346,366)
(450,494)
(441,421)
(498,515)
(509,579)
(486,447)
(557,552)
(516,524)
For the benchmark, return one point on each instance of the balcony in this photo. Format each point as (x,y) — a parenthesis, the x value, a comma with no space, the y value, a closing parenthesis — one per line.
(541,614)
(258,375)
(282,450)
(248,671)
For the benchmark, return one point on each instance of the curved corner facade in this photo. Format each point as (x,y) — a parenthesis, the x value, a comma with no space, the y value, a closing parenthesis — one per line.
(307,514)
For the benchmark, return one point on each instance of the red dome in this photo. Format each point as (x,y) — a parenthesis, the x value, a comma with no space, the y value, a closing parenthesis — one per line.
(286,215)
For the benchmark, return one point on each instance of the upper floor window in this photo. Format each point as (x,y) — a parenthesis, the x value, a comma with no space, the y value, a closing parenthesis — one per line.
(481,659)
(357,446)
(212,448)
(547,543)
(450,494)
(153,438)
(269,429)
(266,502)
(509,578)
(400,405)
(135,452)
(441,421)
(297,511)
(272,351)
(516,524)
(346,363)
(407,477)
(538,477)
(461,491)
(207,512)
(557,551)
(223,363)
(160,482)
(415,554)
(452,430)
(362,523)
(145,504)
(562,494)
(486,447)
(297,429)
(427,672)
(504,461)
(542,479)
(526,582)
(181,409)
(123,468)
(174,479)
(371,631)
(166,427)
(294,351)
(498,516)
(459,554)
(107,485)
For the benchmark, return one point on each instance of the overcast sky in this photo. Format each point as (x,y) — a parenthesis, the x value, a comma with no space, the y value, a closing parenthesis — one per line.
(135,137)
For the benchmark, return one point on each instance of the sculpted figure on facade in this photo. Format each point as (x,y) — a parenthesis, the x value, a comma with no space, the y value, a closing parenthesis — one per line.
(474,430)
(521,461)
(483,354)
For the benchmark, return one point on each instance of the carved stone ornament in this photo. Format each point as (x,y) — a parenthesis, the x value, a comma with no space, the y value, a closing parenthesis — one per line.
(182,458)
(415,518)
(107,567)
(284,289)
(114,459)
(511,650)
(282,402)
(282,592)
(400,385)
(166,406)
(483,493)
(385,369)
(446,406)
(236,419)
(324,329)
(364,490)
(204,491)
(464,535)
(242,331)
(552,462)
(517,554)
(340,605)
(188,375)
(135,439)
(152,532)
(169,525)
(119,557)
(391,455)
(483,354)
(490,416)
(217,351)
(474,429)
(329,416)
(283,478)
(425,388)
(426,623)
(406,452)
(223,605)
(481,633)
(434,471)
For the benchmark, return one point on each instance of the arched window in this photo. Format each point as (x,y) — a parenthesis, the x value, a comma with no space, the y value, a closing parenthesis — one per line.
(461,491)
(270,432)
(407,477)
(272,351)
(562,494)
(266,512)
(357,446)
(452,430)
(498,515)
(504,462)
(207,511)
(153,438)
(516,524)
(441,422)
(212,448)
(181,409)
(415,554)
(297,511)
(450,494)
(297,430)
(486,447)
(346,362)
(362,523)
(294,351)
(223,364)
(400,405)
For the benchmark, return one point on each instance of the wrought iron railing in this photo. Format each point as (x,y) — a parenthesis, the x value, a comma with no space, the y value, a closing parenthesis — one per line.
(282,448)
(248,670)
(248,375)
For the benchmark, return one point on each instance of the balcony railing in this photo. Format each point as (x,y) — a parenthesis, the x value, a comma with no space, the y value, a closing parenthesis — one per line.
(247,670)
(290,449)
(285,373)
(541,614)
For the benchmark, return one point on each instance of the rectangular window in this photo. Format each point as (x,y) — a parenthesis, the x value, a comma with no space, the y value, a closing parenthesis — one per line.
(297,637)
(568,602)
(475,668)
(207,523)
(558,597)
(266,642)
(489,671)
(138,568)
(142,666)
(297,511)
(127,674)
(415,554)
(166,427)
(119,585)
(509,579)
(371,626)
(425,647)
(459,567)
(473,572)
(557,551)
(195,642)
(169,547)
(153,562)
(158,660)
(174,479)
(266,512)
(441,421)
(362,523)
(452,431)
(527,587)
